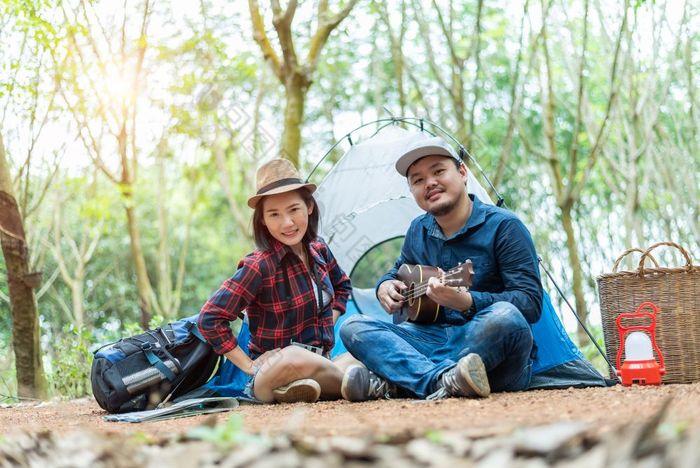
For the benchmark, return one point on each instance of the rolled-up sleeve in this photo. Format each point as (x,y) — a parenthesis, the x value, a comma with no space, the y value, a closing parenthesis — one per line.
(226,304)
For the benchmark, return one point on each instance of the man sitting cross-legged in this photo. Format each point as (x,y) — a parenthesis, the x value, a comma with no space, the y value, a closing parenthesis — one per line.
(481,341)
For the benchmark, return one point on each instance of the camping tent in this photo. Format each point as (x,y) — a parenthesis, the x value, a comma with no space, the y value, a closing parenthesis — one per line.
(365,202)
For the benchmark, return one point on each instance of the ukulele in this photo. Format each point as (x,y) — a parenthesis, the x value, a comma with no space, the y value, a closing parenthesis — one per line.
(417,306)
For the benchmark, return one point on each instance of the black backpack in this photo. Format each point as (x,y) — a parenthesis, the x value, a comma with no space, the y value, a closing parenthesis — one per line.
(143,371)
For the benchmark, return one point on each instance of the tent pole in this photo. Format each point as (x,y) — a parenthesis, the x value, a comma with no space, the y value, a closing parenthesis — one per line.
(578,319)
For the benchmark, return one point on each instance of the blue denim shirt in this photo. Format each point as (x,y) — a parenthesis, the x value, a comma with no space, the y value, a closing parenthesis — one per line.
(499,245)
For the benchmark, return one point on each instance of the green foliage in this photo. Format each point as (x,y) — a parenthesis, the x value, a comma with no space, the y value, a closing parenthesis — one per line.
(203,75)
(639,3)
(8,382)
(156,321)
(71,362)
(225,436)
(435,436)
(673,430)
(591,353)
(5,315)
(375,263)
(143,438)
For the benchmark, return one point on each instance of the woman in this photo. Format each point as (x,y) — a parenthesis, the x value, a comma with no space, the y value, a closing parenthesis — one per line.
(292,290)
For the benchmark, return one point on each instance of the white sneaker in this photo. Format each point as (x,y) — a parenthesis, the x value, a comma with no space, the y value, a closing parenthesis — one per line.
(303,390)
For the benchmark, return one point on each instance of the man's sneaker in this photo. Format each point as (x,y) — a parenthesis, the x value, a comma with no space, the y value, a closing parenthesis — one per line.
(304,390)
(361,384)
(466,379)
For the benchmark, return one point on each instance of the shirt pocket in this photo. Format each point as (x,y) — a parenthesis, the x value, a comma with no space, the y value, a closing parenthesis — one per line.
(484,271)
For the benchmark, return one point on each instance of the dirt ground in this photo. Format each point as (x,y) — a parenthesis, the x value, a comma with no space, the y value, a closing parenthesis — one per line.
(605,408)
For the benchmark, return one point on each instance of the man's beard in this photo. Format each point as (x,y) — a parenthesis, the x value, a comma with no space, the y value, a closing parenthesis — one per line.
(444,209)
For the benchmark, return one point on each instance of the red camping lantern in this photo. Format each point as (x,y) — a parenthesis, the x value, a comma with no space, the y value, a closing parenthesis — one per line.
(640,366)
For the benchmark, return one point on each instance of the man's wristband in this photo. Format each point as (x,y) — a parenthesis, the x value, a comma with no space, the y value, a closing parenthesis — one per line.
(469,313)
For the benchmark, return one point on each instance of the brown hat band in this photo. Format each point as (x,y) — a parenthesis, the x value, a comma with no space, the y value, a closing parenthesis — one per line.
(279,183)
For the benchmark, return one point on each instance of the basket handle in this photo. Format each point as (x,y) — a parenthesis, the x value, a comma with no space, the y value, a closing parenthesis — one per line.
(629,251)
(688,261)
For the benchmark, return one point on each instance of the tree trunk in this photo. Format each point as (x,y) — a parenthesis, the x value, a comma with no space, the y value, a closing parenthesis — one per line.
(147,302)
(293,116)
(461,124)
(164,273)
(143,284)
(77,297)
(477,72)
(31,381)
(292,73)
(633,235)
(575,263)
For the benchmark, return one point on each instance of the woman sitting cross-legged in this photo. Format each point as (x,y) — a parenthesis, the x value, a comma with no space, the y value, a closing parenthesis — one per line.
(292,290)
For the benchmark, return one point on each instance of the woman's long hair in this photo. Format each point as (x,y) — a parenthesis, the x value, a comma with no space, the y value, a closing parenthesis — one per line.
(263,238)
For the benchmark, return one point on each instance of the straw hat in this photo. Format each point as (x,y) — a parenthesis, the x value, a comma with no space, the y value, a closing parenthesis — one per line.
(277,176)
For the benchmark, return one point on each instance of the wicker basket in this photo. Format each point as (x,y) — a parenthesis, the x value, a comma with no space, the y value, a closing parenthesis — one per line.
(675,291)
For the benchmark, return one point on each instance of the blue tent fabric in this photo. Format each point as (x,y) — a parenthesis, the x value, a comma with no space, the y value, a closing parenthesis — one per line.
(339,347)
(230,381)
(554,347)
(558,362)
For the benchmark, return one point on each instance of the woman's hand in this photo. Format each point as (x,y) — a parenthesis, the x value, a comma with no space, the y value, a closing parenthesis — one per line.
(266,360)
(336,316)
(241,360)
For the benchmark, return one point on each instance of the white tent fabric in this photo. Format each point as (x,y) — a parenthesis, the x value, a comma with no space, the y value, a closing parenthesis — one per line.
(355,219)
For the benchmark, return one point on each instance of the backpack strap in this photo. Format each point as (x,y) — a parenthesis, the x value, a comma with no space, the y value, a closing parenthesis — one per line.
(156,361)
(194,329)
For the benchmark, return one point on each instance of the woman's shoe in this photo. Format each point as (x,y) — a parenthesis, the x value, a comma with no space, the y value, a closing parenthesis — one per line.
(303,390)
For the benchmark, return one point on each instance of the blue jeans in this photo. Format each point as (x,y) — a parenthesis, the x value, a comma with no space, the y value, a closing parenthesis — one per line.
(415,356)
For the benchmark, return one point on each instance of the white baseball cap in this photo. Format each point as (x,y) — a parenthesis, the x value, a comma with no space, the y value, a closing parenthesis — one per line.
(434,146)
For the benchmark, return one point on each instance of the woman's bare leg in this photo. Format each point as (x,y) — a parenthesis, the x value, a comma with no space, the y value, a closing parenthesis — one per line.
(346,360)
(295,363)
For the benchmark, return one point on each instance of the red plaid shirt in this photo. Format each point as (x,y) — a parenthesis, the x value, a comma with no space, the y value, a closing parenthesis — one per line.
(280,307)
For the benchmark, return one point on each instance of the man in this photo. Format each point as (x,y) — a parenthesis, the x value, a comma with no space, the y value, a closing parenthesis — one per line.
(481,340)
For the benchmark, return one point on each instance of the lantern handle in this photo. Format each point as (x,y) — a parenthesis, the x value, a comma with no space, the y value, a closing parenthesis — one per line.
(645,305)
